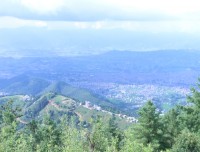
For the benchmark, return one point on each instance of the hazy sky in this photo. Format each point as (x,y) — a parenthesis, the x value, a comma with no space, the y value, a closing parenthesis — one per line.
(85,25)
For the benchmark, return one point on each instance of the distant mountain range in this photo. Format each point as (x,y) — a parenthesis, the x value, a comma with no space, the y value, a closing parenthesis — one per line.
(37,42)
(170,68)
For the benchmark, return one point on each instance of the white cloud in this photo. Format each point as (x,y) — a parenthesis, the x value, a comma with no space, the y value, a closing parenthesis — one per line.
(143,16)
(43,6)
(142,26)
(101,23)
(98,10)
(132,26)
(11,22)
(39,23)
(92,25)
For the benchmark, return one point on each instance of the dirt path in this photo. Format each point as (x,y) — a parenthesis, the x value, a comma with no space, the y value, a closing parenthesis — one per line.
(51,102)
(21,121)
(79,115)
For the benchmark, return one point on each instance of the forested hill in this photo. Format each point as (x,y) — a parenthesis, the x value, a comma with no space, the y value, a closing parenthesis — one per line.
(57,106)
(176,131)
(36,87)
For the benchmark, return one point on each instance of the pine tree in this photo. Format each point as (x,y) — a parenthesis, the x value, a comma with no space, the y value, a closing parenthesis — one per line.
(148,130)
(187,142)
(172,126)
(191,117)
(8,127)
(50,135)
(98,136)
(131,144)
(114,133)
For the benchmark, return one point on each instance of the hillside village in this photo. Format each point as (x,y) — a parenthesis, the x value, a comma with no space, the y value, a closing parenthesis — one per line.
(89,105)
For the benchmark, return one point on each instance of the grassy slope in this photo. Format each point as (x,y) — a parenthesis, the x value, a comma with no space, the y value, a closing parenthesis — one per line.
(37,87)
(57,106)
(80,95)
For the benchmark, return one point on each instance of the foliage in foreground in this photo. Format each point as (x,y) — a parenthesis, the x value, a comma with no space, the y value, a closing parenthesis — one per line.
(176,131)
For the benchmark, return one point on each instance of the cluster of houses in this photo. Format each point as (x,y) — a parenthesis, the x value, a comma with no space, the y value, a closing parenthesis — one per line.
(27,98)
(2,94)
(88,105)
(129,119)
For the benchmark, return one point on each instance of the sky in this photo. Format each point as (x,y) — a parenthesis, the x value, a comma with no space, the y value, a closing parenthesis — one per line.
(78,27)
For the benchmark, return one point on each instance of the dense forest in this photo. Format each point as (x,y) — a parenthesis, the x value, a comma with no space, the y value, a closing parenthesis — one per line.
(176,131)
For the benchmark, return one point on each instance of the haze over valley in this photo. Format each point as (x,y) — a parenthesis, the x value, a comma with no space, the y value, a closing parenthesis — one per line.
(121,77)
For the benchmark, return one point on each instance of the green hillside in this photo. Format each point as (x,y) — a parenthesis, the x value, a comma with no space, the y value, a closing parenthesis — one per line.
(79,94)
(58,106)
(96,129)
(25,85)
(19,100)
